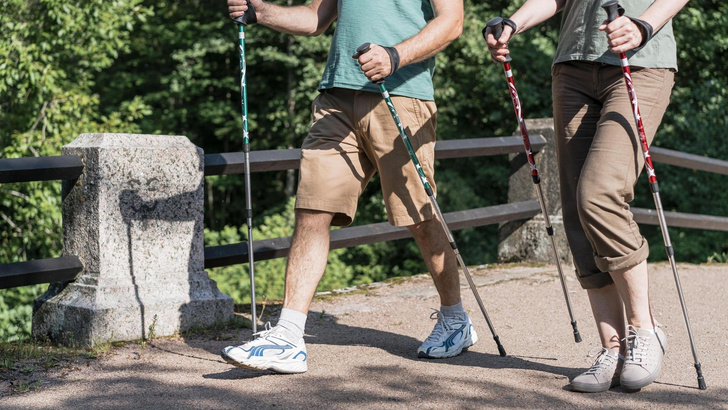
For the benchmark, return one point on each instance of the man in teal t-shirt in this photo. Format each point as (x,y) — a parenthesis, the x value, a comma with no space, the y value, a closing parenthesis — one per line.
(352,137)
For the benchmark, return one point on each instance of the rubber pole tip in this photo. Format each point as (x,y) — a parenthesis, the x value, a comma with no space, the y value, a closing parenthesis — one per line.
(701,380)
(501,350)
(577,336)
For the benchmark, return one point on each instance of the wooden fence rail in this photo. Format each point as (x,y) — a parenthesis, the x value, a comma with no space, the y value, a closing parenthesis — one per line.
(68,167)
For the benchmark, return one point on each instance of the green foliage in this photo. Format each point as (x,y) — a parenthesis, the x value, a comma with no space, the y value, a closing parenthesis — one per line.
(15,311)
(50,53)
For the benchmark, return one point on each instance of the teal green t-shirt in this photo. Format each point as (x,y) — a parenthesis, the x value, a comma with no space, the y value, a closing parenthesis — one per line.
(580,38)
(383,22)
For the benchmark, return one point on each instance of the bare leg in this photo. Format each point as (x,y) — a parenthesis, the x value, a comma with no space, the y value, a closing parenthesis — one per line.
(608,312)
(633,285)
(439,258)
(308,257)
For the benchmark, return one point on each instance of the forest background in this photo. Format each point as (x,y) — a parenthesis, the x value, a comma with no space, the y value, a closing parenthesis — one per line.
(171,67)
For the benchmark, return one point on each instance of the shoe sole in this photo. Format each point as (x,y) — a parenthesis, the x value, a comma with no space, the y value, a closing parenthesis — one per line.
(270,366)
(593,388)
(423,355)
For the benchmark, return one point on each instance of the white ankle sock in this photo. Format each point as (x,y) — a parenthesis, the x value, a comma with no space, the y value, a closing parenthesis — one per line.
(454,310)
(293,321)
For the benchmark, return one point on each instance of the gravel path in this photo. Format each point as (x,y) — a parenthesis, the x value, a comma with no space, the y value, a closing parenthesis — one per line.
(362,354)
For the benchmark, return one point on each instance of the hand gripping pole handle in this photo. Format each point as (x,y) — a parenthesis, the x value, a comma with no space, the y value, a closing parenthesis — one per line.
(496,27)
(363,49)
(249,16)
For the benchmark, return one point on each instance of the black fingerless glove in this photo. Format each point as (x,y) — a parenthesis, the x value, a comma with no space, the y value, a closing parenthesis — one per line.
(645,29)
(511,24)
(393,58)
(248,17)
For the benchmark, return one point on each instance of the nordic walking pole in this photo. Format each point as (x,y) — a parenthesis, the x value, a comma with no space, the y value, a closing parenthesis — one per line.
(613,11)
(241,22)
(496,25)
(428,189)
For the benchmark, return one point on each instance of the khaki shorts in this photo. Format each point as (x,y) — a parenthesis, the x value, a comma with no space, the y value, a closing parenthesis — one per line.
(353,136)
(600,158)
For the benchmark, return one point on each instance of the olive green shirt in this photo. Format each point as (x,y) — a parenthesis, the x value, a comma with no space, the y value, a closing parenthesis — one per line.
(581,40)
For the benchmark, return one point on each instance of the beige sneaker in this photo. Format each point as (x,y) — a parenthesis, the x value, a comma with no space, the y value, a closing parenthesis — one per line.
(643,361)
(602,376)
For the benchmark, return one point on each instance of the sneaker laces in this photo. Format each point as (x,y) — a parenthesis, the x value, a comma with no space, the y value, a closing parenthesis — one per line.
(636,345)
(267,330)
(442,327)
(603,360)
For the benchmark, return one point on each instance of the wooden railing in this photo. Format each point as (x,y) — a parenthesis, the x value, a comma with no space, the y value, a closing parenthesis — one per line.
(69,167)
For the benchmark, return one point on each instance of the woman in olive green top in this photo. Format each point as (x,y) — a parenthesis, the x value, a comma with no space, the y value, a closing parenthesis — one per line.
(599,162)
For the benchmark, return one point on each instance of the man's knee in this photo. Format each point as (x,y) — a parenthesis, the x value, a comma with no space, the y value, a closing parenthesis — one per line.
(312,219)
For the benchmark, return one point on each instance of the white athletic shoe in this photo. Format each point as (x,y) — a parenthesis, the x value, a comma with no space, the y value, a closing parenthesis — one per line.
(449,337)
(271,350)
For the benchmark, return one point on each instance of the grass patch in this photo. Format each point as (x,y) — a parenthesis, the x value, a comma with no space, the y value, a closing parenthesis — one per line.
(25,363)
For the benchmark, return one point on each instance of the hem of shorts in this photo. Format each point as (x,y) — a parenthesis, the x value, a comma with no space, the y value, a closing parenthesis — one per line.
(408,220)
(611,264)
(594,280)
(341,213)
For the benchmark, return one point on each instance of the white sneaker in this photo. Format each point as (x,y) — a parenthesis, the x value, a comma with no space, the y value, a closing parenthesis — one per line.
(602,375)
(643,361)
(271,350)
(449,338)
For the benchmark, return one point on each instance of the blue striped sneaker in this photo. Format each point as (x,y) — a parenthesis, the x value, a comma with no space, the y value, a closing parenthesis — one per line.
(271,350)
(449,338)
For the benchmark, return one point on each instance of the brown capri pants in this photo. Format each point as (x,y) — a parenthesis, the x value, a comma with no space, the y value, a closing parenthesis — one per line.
(600,159)
(353,136)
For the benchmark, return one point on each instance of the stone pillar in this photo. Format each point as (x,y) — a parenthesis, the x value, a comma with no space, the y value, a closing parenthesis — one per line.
(527,240)
(134,218)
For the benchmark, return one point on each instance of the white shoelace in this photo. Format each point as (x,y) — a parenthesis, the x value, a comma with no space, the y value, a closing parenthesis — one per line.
(267,330)
(603,361)
(637,345)
(441,327)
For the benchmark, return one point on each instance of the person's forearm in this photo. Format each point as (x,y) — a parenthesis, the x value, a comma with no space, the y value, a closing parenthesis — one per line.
(437,34)
(309,20)
(534,12)
(661,11)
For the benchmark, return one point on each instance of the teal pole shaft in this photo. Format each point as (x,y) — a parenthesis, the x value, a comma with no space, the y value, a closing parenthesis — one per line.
(433,201)
(246,154)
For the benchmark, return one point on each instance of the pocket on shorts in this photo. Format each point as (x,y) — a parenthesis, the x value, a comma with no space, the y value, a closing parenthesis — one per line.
(653,73)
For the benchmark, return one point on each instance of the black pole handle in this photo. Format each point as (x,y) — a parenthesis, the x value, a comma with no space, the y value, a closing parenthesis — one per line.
(363,49)
(496,27)
(613,10)
(249,16)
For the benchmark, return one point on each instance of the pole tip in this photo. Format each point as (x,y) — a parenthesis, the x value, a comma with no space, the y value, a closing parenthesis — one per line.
(501,350)
(701,379)
(701,383)
(577,336)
